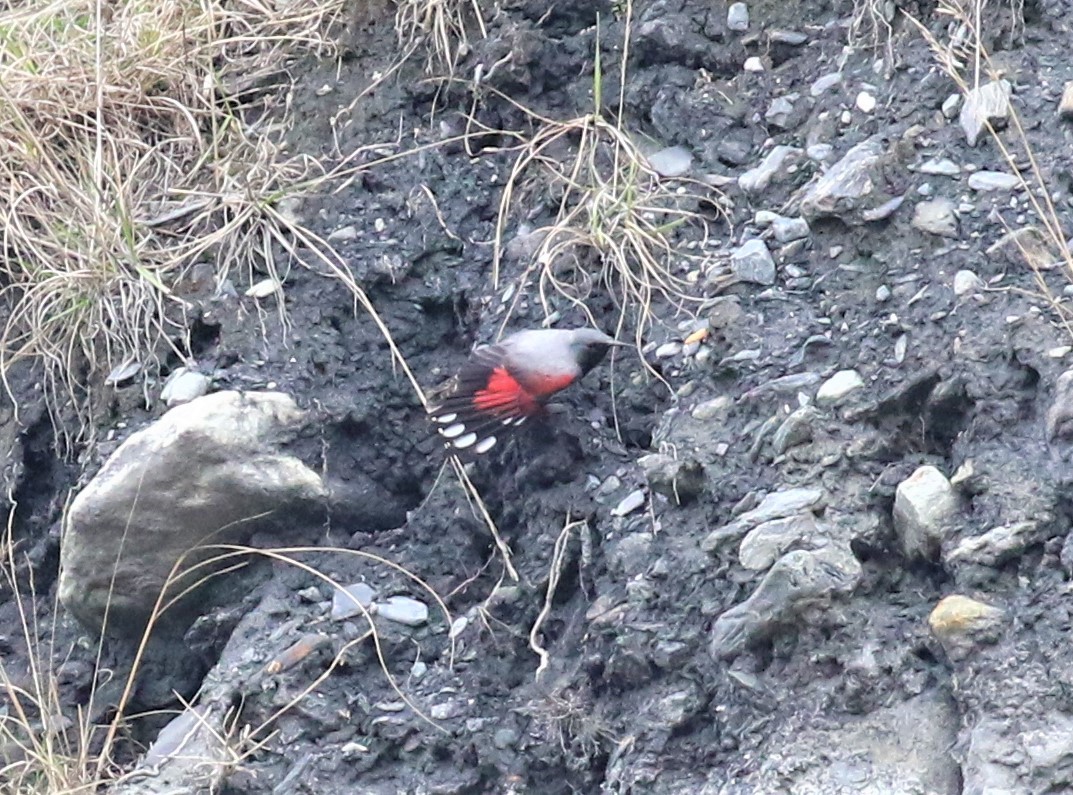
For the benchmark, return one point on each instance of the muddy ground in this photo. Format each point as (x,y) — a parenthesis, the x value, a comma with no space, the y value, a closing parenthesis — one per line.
(846,693)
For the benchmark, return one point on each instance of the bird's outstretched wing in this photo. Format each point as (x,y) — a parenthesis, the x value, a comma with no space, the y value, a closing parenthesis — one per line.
(482,403)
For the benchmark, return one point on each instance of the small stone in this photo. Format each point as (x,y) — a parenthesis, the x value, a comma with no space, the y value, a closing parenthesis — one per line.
(797,580)
(965,281)
(924,503)
(777,505)
(987,103)
(993,180)
(681,481)
(264,288)
(403,610)
(936,217)
(674,161)
(710,409)
(866,103)
(997,545)
(183,386)
(349,601)
(962,624)
(1065,106)
(789,229)
(795,430)
(445,711)
(753,64)
(793,38)
(738,17)
(766,543)
(835,389)
(343,234)
(630,503)
(1060,414)
(776,163)
(778,113)
(943,167)
(668,349)
(850,187)
(951,105)
(822,84)
(752,262)
(883,293)
(820,153)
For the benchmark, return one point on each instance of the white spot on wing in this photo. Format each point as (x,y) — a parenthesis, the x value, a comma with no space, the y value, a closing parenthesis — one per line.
(463,442)
(485,445)
(446,417)
(451,431)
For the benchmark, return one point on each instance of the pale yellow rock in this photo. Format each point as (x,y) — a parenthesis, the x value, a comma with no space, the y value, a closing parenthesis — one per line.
(961,624)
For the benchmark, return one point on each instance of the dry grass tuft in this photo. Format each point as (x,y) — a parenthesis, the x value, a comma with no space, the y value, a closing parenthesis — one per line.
(616,216)
(442,28)
(133,144)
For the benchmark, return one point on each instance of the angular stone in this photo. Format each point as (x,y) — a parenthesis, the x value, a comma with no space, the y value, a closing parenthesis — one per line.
(1060,414)
(767,542)
(835,389)
(850,188)
(774,506)
(775,164)
(997,545)
(183,386)
(779,112)
(752,262)
(738,17)
(965,281)
(799,579)
(349,601)
(403,610)
(208,471)
(987,103)
(1065,106)
(993,180)
(962,624)
(923,505)
(680,480)
(786,230)
(674,161)
(822,84)
(936,217)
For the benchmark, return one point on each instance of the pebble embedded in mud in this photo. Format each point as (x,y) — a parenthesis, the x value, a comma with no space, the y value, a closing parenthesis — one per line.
(924,505)
(752,262)
(403,610)
(962,624)
(838,387)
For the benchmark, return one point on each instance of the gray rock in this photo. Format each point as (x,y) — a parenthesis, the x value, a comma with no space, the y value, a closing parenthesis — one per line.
(767,542)
(993,180)
(793,38)
(965,281)
(710,409)
(208,471)
(850,187)
(668,350)
(799,579)
(403,610)
(738,17)
(1060,414)
(943,167)
(983,104)
(351,599)
(951,105)
(823,84)
(343,234)
(630,503)
(752,262)
(674,161)
(820,153)
(790,229)
(779,113)
(924,504)
(1065,105)
(997,545)
(836,388)
(184,385)
(680,480)
(777,505)
(936,217)
(962,624)
(775,164)
(796,429)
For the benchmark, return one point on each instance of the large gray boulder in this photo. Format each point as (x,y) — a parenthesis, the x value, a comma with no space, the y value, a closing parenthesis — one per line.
(210,471)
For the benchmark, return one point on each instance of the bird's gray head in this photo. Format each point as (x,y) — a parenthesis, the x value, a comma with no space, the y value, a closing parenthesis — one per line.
(589,347)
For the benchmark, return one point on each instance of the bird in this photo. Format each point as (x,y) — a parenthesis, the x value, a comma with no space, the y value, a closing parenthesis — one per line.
(504,384)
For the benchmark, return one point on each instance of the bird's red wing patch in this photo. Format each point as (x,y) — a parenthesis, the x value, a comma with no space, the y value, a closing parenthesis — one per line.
(504,396)
(484,403)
